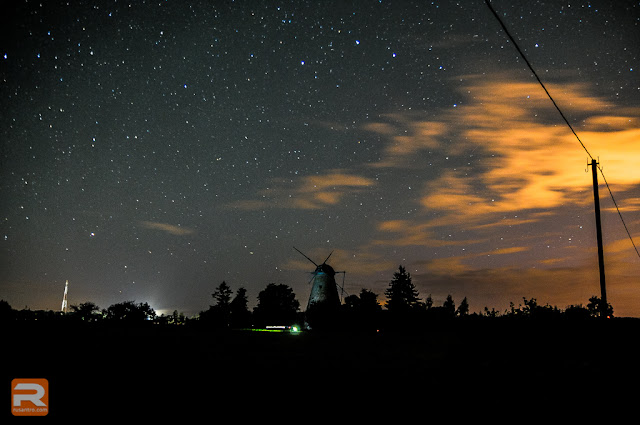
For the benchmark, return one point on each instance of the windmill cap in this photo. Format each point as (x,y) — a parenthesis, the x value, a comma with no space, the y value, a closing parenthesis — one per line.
(326,269)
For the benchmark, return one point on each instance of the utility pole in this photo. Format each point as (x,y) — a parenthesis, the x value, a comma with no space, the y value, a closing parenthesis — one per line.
(596,200)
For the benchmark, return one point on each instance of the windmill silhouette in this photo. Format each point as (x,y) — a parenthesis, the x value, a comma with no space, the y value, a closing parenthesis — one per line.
(324,291)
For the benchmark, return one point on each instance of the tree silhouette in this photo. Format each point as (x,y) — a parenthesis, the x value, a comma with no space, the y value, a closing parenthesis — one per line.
(402,295)
(493,313)
(449,306)
(129,311)
(577,312)
(86,312)
(362,312)
(351,302)
(463,308)
(219,314)
(366,302)
(428,302)
(177,318)
(240,316)
(532,309)
(6,312)
(369,301)
(595,307)
(277,305)
(222,295)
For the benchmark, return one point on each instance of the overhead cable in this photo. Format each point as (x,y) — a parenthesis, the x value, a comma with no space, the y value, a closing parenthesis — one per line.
(504,28)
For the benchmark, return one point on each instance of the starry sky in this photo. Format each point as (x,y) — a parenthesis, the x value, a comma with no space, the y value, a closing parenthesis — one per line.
(152,149)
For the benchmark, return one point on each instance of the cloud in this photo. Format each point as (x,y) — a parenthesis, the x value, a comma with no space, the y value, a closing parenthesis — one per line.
(414,233)
(308,192)
(629,204)
(454,265)
(327,189)
(557,283)
(517,182)
(524,157)
(406,135)
(169,228)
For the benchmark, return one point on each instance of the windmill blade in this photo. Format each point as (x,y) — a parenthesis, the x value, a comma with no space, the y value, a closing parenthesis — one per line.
(305,256)
(327,259)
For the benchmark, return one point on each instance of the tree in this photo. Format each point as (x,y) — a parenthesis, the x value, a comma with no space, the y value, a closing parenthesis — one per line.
(362,312)
(86,312)
(428,303)
(532,310)
(240,314)
(129,311)
(402,295)
(177,318)
(222,295)
(277,304)
(463,308)
(6,312)
(595,307)
(577,312)
(449,306)
(219,314)
(493,313)
(352,303)
(369,301)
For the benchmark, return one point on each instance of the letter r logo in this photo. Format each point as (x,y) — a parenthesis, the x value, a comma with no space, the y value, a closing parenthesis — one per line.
(29,397)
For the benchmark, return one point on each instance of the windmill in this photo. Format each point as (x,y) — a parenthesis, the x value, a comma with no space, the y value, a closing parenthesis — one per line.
(324,291)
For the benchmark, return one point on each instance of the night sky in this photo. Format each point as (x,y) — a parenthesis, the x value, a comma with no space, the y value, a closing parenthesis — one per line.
(152,149)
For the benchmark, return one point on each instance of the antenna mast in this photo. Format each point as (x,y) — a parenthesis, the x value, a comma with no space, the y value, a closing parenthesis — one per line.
(64,298)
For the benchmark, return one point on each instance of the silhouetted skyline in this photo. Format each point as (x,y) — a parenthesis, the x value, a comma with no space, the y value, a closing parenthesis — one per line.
(152,151)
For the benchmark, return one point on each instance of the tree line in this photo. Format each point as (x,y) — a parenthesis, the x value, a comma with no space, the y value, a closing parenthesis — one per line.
(277,305)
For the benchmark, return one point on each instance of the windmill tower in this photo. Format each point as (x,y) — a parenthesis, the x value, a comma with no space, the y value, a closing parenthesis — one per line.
(64,297)
(323,298)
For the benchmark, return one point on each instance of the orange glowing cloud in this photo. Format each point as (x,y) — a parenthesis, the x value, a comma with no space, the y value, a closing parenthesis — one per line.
(308,192)
(327,189)
(524,167)
(414,233)
(168,228)
(406,136)
(455,265)
(534,164)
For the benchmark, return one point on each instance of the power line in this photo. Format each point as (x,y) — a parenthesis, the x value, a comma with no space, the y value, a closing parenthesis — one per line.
(618,209)
(537,78)
(504,28)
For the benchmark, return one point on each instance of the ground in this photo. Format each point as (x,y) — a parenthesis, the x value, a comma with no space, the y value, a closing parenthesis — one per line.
(154,371)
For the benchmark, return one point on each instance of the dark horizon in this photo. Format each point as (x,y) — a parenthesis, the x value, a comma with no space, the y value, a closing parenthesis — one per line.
(517,308)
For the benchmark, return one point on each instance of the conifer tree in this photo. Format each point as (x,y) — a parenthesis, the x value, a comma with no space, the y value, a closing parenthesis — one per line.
(402,295)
